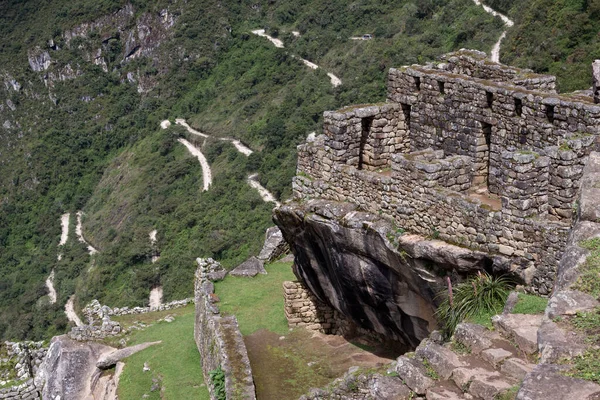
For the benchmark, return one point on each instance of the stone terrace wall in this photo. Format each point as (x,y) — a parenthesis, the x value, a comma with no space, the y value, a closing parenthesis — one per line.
(220,342)
(24,358)
(476,64)
(405,199)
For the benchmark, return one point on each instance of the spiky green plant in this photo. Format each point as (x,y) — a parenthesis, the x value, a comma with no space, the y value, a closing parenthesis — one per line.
(481,294)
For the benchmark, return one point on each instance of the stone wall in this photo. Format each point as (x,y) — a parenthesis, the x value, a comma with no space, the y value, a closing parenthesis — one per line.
(24,391)
(476,64)
(220,342)
(436,211)
(302,308)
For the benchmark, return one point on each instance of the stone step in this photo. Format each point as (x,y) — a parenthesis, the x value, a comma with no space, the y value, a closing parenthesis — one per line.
(414,374)
(447,391)
(489,387)
(516,368)
(441,359)
(475,337)
(521,328)
(546,382)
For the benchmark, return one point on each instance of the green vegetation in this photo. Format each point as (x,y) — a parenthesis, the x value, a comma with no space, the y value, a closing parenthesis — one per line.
(217,380)
(510,394)
(174,363)
(589,279)
(586,366)
(480,297)
(460,348)
(530,304)
(430,371)
(258,302)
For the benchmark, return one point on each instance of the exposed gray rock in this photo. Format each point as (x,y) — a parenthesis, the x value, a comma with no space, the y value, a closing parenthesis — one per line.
(589,200)
(495,356)
(522,328)
(388,388)
(412,372)
(475,337)
(39,60)
(249,268)
(546,382)
(569,302)
(275,246)
(69,369)
(346,259)
(517,368)
(108,360)
(596,80)
(511,302)
(442,360)
(555,343)
(488,388)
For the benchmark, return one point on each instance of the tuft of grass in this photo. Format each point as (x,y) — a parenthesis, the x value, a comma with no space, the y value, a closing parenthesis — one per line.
(530,304)
(589,280)
(589,324)
(257,302)
(175,362)
(479,297)
(586,366)
(510,394)
(460,348)
(430,371)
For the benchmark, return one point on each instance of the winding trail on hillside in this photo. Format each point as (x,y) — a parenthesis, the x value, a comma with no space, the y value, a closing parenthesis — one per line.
(206,172)
(156,296)
(495,56)
(70,312)
(335,81)
(264,193)
(64,234)
(155,256)
(79,233)
(245,150)
(50,286)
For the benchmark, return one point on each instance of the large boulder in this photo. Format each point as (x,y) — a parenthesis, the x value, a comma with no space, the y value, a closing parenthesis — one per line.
(249,268)
(275,245)
(345,257)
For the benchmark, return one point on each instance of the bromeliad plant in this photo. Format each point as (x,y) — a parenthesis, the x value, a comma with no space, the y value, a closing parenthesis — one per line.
(481,294)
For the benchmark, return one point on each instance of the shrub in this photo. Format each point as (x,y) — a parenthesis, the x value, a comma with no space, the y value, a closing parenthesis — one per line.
(217,380)
(481,294)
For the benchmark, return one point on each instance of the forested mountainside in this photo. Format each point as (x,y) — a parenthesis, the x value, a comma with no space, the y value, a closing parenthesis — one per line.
(86,84)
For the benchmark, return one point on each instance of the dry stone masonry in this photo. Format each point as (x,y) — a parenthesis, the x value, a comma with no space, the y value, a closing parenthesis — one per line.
(19,363)
(218,337)
(475,153)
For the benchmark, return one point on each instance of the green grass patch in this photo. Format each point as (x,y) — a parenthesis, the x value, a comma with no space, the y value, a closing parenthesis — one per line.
(589,280)
(586,366)
(589,324)
(530,304)
(510,394)
(257,302)
(475,300)
(174,363)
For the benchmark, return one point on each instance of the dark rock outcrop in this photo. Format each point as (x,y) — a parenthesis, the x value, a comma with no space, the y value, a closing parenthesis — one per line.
(360,265)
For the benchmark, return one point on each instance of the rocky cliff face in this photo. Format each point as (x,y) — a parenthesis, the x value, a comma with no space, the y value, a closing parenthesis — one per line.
(369,271)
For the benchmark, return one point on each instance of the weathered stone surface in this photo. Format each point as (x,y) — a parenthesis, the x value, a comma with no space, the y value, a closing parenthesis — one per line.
(589,200)
(475,337)
(596,80)
(546,383)
(213,269)
(345,258)
(441,359)
(522,328)
(110,359)
(69,369)
(413,374)
(511,302)
(249,268)
(517,368)
(445,394)
(488,388)
(555,343)
(274,247)
(388,388)
(495,356)
(463,377)
(569,302)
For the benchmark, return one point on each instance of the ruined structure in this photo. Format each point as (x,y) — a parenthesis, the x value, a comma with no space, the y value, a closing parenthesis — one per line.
(484,157)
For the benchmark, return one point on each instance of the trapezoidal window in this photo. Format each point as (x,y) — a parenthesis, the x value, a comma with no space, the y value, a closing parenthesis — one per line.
(518,107)
(441,87)
(418,82)
(487,134)
(489,98)
(550,113)
(366,124)
(406,108)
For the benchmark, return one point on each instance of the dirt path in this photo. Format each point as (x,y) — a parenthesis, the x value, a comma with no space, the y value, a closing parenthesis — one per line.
(181,121)
(264,193)
(239,146)
(71,314)
(156,295)
(155,256)
(50,286)
(285,367)
(165,124)
(206,172)
(335,81)
(64,234)
(495,56)
(79,233)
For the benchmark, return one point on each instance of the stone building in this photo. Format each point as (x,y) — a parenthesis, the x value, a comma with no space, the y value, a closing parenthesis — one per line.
(484,158)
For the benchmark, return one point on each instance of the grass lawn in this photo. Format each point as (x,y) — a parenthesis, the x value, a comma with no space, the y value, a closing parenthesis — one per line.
(174,364)
(257,302)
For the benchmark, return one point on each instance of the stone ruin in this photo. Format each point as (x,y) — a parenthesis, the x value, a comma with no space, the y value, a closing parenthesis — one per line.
(19,364)
(469,165)
(475,153)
